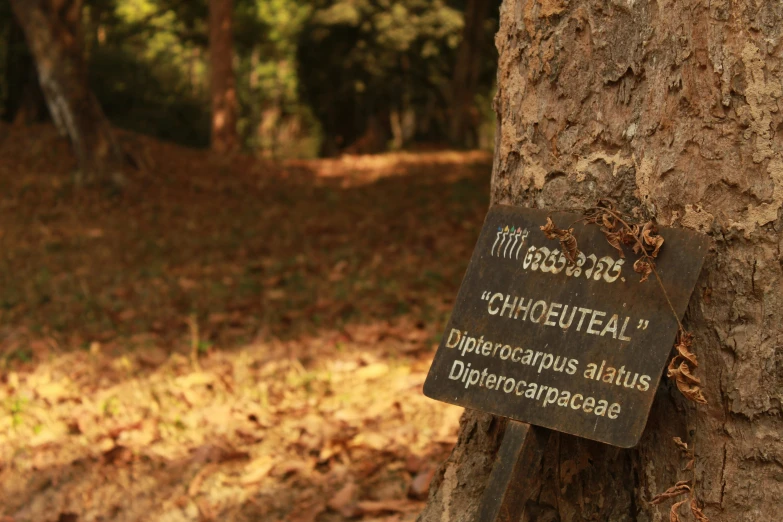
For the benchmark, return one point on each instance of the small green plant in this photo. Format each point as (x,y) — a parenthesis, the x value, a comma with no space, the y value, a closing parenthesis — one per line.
(17,409)
(21,354)
(111,407)
(204,346)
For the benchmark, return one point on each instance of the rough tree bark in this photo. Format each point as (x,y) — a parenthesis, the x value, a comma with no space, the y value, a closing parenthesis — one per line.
(223,84)
(674,110)
(52,31)
(467,69)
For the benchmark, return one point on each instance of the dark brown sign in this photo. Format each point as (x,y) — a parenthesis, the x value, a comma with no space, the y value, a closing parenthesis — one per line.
(578,348)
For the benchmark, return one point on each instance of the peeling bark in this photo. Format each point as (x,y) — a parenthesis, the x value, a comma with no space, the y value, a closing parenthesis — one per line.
(53,35)
(673,109)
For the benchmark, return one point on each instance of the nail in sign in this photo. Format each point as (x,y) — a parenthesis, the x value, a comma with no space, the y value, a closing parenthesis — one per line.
(578,348)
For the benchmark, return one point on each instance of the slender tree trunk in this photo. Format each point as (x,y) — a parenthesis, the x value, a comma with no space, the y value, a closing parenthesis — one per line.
(224,95)
(674,110)
(464,114)
(25,101)
(53,36)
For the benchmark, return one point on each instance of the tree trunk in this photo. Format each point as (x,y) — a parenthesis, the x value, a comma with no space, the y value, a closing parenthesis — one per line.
(53,36)
(224,95)
(24,102)
(463,129)
(672,109)
(31,106)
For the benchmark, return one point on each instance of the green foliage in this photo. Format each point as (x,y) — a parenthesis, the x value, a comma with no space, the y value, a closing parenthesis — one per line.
(312,75)
(272,117)
(147,66)
(147,97)
(362,60)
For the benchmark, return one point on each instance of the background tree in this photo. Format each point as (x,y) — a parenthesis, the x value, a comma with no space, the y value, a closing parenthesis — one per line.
(53,32)
(222,80)
(148,66)
(470,63)
(322,76)
(377,71)
(23,99)
(671,109)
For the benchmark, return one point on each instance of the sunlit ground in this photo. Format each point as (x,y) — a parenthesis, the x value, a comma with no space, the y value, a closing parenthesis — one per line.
(228,339)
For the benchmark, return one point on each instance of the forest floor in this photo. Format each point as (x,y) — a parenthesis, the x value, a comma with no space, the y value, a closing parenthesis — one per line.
(312,294)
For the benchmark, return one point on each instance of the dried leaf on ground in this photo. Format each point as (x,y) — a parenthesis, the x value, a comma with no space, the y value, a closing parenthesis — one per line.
(307,513)
(118,455)
(344,501)
(372,371)
(374,507)
(114,433)
(256,471)
(420,485)
(198,480)
(217,453)
(268,376)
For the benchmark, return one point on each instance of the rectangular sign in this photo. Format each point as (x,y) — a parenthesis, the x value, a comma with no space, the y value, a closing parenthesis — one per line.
(578,348)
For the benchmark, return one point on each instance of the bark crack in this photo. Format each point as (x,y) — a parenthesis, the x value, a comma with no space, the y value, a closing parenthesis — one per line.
(723,476)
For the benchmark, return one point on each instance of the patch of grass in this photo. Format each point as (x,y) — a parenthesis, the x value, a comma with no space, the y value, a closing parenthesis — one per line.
(111,407)
(43,277)
(204,346)
(24,355)
(402,308)
(17,410)
(433,279)
(249,285)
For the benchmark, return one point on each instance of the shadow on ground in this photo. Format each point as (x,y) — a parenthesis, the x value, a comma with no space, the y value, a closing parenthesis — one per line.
(312,293)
